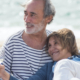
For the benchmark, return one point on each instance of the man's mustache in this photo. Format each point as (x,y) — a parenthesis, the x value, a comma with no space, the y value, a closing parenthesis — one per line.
(30,24)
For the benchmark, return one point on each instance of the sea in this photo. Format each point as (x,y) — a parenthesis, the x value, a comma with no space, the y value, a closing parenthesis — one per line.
(11,17)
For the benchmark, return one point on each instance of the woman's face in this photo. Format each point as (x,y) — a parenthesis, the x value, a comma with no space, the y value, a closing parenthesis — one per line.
(55,50)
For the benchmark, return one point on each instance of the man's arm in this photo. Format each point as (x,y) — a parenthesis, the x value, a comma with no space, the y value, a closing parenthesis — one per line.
(3,74)
(40,75)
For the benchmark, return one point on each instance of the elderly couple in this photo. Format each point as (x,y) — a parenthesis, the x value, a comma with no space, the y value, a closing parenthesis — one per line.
(39,54)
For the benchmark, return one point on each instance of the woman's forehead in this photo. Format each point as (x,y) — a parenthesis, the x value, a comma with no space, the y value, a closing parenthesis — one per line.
(56,39)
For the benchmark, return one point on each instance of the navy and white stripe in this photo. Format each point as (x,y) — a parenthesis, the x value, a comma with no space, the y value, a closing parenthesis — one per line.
(21,60)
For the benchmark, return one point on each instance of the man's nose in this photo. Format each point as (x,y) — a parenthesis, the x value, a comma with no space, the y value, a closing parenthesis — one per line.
(27,19)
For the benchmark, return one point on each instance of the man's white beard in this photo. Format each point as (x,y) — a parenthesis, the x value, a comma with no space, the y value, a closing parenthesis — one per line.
(37,27)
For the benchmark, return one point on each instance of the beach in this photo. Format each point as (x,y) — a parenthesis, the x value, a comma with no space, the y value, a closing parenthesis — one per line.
(77,40)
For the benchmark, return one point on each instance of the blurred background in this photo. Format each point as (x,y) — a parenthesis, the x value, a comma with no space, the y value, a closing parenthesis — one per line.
(11,17)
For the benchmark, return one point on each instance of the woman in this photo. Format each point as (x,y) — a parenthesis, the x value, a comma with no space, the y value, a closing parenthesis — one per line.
(61,46)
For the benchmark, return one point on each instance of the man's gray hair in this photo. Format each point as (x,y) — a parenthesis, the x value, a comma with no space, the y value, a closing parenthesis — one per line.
(49,9)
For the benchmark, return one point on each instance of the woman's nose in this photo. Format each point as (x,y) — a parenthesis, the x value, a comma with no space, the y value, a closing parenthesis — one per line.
(52,48)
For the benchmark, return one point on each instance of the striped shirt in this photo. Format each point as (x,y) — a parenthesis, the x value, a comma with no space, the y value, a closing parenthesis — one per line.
(21,60)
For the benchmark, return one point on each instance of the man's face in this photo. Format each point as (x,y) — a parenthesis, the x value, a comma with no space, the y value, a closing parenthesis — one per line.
(33,16)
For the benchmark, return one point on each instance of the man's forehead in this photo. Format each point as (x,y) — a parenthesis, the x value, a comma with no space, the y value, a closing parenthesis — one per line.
(34,5)
(35,2)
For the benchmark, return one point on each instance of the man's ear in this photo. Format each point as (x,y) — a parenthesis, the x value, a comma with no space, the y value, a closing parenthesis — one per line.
(49,18)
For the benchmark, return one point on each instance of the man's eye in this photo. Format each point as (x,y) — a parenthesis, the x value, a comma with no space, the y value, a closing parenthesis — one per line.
(32,15)
(25,13)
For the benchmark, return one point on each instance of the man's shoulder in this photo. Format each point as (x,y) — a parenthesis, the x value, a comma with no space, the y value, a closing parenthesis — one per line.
(15,36)
(48,32)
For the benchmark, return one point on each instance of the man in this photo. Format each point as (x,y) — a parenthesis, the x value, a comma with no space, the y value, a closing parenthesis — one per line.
(25,51)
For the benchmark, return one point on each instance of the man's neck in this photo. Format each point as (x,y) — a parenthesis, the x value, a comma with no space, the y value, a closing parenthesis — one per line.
(38,37)
(36,41)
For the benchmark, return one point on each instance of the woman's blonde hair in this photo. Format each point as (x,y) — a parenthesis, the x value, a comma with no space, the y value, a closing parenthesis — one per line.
(66,38)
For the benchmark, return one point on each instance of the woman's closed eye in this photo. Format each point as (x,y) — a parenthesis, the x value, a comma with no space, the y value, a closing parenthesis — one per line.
(55,42)
(49,45)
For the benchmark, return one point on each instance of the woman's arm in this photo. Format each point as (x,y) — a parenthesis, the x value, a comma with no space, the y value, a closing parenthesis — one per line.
(41,74)
(12,78)
(66,70)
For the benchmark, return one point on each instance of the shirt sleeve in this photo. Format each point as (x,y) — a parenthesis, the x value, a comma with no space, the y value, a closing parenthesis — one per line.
(7,58)
(41,74)
(66,70)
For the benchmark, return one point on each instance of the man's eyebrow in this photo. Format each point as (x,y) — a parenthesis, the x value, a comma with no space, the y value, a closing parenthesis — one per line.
(33,13)
(30,12)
